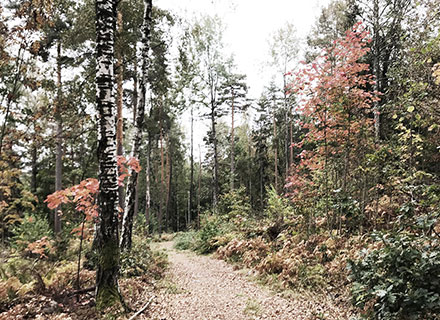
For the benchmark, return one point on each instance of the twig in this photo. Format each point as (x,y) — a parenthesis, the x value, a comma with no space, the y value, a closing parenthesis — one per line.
(142,310)
(81,291)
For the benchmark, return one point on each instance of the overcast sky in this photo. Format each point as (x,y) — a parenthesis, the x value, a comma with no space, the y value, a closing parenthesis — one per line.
(249,26)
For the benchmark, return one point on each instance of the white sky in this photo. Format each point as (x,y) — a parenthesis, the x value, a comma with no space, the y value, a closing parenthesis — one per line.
(249,26)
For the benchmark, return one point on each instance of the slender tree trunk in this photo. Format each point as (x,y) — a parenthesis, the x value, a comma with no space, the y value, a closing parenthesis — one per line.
(261,185)
(214,137)
(168,183)
(170,175)
(34,167)
(59,140)
(11,96)
(199,189)
(191,182)
(376,66)
(232,144)
(107,289)
(162,180)
(291,138)
(135,86)
(119,104)
(127,222)
(286,135)
(134,105)
(147,188)
(275,152)
(188,213)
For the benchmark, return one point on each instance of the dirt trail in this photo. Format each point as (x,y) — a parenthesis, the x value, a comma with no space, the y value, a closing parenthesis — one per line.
(200,287)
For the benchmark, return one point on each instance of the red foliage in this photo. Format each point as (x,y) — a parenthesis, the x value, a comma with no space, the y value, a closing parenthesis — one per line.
(334,98)
(83,194)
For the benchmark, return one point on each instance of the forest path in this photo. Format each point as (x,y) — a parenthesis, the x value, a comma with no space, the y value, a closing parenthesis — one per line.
(201,287)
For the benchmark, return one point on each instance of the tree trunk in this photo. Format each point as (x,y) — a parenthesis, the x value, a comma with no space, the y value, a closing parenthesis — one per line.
(134,105)
(170,176)
(59,140)
(286,120)
(162,178)
(191,182)
(34,166)
(107,289)
(127,222)
(199,189)
(168,184)
(376,66)
(147,188)
(135,86)
(275,152)
(232,144)
(119,103)
(291,141)
(11,96)
(215,190)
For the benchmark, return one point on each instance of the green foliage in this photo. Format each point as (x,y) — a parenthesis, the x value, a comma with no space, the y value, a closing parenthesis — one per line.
(185,240)
(207,239)
(234,204)
(209,230)
(277,207)
(399,279)
(142,261)
(31,229)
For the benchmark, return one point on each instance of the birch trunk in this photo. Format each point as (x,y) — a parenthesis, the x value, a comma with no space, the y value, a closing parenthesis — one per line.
(119,103)
(127,221)
(191,182)
(232,144)
(107,289)
(59,141)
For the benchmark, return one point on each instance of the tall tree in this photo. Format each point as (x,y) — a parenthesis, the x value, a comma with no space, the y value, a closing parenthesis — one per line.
(207,35)
(284,52)
(233,94)
(107,288)
(127,222)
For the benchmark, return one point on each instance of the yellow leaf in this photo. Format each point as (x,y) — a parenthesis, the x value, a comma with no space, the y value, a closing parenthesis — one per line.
(410,109)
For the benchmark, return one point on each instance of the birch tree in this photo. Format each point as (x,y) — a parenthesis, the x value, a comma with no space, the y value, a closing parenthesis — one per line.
(127,222)
(107,289)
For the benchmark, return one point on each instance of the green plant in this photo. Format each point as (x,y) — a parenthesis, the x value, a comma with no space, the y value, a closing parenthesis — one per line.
(234,204)
(277,207)
(208,231)
(141,260)
(185,240)
(399,279)
(31,229)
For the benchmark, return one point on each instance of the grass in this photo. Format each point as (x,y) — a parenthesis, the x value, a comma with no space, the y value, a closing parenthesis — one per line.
(252,307)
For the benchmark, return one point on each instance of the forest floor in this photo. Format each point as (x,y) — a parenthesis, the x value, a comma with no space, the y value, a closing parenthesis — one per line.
(201,287)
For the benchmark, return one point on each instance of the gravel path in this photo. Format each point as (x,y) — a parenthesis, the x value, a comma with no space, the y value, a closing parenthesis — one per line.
(200,287)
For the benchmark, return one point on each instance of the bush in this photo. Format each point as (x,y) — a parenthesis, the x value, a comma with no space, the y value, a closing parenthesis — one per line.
(186,240)
(278,207)
(31,229)
(141,260)
(399,279)
(209,230)
(234,204)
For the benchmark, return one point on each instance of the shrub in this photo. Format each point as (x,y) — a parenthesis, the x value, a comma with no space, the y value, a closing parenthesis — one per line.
(30,230)
(209,230)
(234,204)
(399,279)
(186,240)
(141,260)
(278,207)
